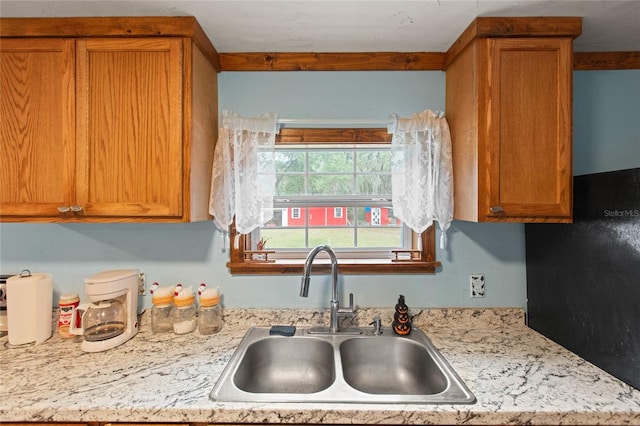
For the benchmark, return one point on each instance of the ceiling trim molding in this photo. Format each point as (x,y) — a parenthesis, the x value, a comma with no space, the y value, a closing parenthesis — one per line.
(388,61)
(147,26)
(339,61)
(593,61)
(494,27)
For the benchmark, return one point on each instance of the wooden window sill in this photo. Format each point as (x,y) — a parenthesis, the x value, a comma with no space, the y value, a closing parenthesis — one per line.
(346,268)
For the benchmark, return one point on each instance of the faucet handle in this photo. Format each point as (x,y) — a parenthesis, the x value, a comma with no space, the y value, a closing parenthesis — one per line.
(349,310)
(377,325)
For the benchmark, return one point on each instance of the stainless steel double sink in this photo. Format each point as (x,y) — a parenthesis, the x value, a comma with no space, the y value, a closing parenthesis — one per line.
(354,367)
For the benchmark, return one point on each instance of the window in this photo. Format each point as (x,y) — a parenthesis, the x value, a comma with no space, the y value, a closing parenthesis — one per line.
(333,186)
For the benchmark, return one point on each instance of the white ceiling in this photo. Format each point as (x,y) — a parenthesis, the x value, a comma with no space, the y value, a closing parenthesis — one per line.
(354,26)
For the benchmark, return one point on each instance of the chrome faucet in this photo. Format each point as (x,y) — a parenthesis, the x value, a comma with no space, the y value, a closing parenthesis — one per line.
(336,312)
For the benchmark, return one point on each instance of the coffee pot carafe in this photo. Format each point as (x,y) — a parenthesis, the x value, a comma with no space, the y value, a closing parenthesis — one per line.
(103,320)
(110,317)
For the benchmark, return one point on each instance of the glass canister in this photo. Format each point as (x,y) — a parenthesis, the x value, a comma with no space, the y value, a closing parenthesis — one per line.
(210,312)
(161,318)
(184,314)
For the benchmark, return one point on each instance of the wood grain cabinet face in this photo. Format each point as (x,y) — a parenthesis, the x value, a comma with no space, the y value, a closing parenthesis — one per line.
(510,111)
(37,106)
(130,127)
(106,129)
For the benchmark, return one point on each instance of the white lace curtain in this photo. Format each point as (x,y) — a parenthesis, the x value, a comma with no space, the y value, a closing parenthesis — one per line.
(243,177)
(422,172)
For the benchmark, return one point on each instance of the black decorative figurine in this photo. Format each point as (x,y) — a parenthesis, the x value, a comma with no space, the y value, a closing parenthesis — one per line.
(401,318)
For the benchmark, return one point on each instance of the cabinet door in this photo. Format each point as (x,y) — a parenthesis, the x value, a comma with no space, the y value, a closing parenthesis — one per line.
(37,130)
(129,130)
(529,132)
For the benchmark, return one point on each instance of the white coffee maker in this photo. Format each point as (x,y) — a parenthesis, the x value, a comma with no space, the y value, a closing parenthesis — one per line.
(110,318)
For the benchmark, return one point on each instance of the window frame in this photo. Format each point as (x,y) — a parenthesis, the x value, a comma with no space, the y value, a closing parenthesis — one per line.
(420,259)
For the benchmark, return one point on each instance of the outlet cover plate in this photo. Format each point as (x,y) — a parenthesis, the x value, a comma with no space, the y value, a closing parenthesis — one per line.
(142,281)
(476,287)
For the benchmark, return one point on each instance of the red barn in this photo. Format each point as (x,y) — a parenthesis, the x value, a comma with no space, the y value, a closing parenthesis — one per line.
(318,216)
(334,216)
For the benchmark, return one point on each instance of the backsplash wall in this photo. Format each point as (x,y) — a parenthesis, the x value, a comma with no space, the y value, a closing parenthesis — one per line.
(192,253)
(582,277)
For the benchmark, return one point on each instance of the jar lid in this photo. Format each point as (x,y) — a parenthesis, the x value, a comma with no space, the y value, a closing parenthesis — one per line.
(162,301)
(210,297)
(184,302)
(162,295)
(184,296)
(69,296)
(209,301)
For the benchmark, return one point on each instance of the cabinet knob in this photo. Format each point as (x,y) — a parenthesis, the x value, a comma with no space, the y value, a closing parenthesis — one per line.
(64,209)
(77,209)
(496,209)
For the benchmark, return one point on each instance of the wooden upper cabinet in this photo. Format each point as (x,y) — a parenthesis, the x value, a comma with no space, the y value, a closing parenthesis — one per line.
(107,129)
(509,107)
(37,106)
(129,127)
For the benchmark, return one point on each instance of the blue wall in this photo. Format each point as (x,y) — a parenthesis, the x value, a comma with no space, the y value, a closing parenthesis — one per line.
(192,253)
(606,131)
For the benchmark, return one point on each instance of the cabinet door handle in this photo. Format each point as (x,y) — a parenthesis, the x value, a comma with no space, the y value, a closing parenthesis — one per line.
(496,209)
(77,209)
(64,210)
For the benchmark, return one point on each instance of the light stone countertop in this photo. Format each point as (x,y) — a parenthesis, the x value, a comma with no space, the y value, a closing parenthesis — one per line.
(517,375)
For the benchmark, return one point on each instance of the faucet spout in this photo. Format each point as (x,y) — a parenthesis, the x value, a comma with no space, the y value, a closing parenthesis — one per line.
(306,277)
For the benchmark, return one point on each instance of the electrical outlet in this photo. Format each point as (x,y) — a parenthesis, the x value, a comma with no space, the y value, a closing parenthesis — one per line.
(142,287)
(476,282)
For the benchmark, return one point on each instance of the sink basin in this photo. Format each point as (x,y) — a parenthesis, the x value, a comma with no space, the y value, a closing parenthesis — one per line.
(339,368)
(390,365)
(286,366)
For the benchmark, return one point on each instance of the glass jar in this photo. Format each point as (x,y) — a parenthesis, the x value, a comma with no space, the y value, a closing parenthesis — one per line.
(184,319)
(210,311)
(161,318)
(210,319)
(184,313)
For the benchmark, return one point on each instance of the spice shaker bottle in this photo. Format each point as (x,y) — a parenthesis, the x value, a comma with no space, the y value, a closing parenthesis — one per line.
(161,318)
(210,312)
(184,314)
(67,303)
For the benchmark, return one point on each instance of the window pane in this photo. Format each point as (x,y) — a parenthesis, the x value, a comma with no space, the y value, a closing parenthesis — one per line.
(374,185)
(380,237)
(336,238)
(324,179)
(276,220)
(290,161)
(373,161)
(331,161)
(331,185)
(377,216)
(283,238)
(290,185)
(326,216)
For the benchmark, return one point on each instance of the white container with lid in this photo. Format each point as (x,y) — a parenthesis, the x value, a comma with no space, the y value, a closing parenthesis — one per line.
(29,308)
(67,303)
